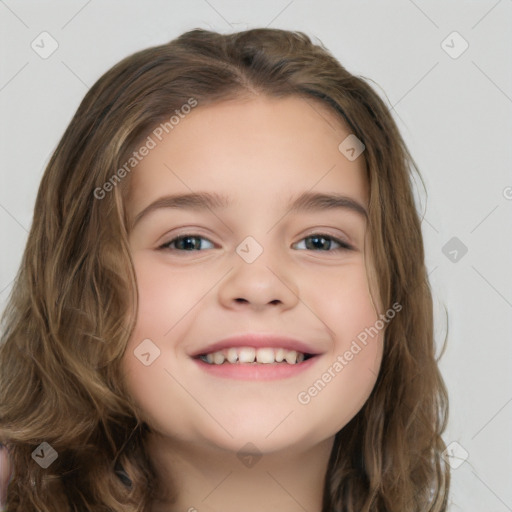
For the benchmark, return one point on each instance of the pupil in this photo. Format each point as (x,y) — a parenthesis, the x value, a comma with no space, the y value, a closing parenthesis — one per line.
(316,238)
(189,245)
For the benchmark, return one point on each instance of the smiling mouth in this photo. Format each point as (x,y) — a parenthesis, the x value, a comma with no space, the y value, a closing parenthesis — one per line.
(254,356)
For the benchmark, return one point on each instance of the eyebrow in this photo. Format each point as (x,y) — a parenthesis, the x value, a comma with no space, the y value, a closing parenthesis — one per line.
(305,202)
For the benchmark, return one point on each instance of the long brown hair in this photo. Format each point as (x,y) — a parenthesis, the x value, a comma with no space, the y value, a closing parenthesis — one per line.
(74,301)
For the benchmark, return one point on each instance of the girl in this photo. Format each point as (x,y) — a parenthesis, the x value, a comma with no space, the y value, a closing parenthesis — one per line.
(223,302)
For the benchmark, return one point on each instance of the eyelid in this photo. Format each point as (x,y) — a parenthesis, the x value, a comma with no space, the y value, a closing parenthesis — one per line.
(184,231)
(326,232)
(344,244)
(191,234)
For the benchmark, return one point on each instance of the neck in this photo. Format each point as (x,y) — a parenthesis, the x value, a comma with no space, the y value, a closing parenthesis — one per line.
(197,478)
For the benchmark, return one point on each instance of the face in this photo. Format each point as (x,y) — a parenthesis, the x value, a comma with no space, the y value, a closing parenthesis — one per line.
(256,267)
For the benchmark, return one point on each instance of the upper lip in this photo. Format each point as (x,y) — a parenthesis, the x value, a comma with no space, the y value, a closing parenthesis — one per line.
(258,341)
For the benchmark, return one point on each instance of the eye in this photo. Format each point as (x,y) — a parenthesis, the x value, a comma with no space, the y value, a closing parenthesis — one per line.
(324,242)
(185,243)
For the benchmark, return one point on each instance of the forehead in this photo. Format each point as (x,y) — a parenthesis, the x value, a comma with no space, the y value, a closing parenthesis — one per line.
(250,148)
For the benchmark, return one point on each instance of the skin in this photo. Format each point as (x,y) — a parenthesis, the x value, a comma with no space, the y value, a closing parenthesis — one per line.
(260,152)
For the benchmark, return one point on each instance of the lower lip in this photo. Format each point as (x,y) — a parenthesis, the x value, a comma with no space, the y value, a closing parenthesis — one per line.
(256,371)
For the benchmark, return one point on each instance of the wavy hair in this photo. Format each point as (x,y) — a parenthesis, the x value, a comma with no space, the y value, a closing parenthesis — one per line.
(73,304)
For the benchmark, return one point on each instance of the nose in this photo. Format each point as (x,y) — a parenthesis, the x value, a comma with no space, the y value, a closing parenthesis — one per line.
(265,281)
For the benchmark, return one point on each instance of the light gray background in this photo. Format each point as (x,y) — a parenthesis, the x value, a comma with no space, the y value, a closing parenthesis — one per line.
(454,113)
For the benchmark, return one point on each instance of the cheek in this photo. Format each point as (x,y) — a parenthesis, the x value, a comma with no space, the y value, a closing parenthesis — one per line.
(162,303)
(350,369)
(165,296)
(344,300)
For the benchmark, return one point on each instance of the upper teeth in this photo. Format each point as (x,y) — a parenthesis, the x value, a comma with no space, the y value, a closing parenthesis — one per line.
(250,355)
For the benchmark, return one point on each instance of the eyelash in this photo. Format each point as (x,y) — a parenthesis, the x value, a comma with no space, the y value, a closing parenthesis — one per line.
(344,245)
